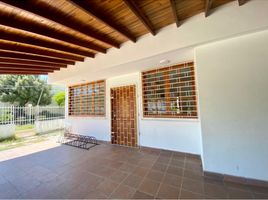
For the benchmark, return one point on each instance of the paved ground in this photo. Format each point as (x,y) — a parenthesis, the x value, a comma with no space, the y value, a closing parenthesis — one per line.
(49,170)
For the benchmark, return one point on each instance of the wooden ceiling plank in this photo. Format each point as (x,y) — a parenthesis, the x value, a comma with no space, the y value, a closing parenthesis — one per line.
(174,12)
(5,72)
(35,27)
(241,2)
(140,15)
(5,45)
(208,4)
(11,36)
(61,18)
(5,54)
(35,67)
(102,18)
(29,62)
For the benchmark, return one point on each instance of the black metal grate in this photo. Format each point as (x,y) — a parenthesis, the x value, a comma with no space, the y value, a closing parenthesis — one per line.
(80,141)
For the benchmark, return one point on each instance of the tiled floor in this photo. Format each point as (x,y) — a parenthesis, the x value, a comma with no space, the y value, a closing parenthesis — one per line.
(108,171)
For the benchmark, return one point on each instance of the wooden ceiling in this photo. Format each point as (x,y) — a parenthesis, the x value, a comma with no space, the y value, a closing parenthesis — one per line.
(41,36)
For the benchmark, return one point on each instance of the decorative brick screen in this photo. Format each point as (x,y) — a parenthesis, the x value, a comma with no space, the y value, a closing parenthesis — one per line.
(87,99)
(123,114)
(170,92)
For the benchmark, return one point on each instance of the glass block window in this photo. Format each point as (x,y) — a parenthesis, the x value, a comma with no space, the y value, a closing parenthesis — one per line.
(170,92)
(87,99)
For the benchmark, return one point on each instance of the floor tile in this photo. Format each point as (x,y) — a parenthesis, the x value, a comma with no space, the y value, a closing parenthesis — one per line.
(172,180)
(168,192)
(190,195)
(239,186)
(141,195)
(257,189)
(140,171)
(133,181)
(260,196)
(127,167)
(155,175)
(119,176)
(215,191)
(123,192)
(149,187)
(108,171)
(197,175)
(177,163)
(193,186)
(175,170)
(107,187)
(160,167)
(239,194)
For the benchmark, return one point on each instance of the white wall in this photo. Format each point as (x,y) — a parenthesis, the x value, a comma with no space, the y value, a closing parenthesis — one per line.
(233,80)
(179,135)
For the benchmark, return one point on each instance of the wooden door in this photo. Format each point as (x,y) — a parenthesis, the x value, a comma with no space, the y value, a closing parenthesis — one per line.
(123,115)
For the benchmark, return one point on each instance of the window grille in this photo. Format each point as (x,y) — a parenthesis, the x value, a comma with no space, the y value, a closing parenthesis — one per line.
(170,92)
(87,99)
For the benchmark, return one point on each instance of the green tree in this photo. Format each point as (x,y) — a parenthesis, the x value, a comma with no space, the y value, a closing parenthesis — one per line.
(59,98)
(24,89)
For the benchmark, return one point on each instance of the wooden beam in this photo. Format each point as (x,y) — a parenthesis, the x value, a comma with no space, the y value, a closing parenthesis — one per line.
(83,5)
(174,12)
(140,15)
(12,46)
(41,9)
(20,72)
(41,29)
(30,63)
(28,67)
(207,7)
(6,54)
(241,2)
(37,41)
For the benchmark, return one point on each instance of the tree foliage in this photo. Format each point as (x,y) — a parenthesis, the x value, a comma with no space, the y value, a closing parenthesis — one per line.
(59,98)
(24,89)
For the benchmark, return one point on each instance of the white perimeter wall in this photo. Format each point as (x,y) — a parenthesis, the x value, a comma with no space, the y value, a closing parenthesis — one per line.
(233,81)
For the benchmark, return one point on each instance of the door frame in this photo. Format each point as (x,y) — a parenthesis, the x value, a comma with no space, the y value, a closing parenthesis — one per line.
(137,112)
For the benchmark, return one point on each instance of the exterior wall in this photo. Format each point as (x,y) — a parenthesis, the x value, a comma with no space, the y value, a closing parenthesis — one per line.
(232,76)
(232,81)
(179,135)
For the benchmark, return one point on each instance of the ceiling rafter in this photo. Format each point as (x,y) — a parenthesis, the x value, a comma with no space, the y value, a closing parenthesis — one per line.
(102,18)
(23,72)
(7,54)
(61,18)
(140,15)
(25,67)
(29,70)
(208,4)
(13,46)
(28,39)
(32,26)
(29,63)
(174,12)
